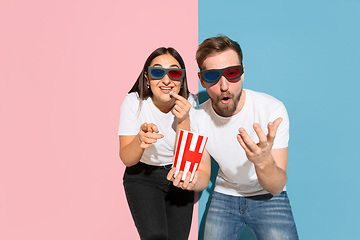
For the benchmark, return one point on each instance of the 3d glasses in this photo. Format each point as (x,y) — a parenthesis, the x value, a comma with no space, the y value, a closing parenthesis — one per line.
(173,73)
(232,74)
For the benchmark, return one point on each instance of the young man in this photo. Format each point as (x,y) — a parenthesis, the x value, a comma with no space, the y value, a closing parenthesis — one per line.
(248,136)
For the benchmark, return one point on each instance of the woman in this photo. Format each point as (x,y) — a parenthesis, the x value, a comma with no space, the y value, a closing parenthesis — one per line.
(151,114)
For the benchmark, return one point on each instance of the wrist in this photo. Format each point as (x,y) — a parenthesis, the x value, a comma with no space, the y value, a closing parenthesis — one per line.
(139,139)
(184,120)
(266,163)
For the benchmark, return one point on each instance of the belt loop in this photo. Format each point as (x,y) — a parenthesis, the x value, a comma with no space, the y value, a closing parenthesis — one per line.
(168,167)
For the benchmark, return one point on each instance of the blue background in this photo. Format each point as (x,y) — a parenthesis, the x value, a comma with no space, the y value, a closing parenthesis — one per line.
(306,54)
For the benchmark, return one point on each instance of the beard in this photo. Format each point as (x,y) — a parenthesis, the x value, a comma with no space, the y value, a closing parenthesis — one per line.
(226,110)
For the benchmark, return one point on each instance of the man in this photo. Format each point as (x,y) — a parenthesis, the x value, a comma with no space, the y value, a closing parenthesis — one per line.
(248,136)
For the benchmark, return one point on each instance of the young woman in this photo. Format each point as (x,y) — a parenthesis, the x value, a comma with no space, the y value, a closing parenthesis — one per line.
(151,114)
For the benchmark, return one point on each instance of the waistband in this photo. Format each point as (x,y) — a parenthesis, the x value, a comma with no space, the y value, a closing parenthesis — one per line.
(153,167)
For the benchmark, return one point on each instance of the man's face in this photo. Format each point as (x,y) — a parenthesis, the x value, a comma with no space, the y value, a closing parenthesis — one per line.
(225,96)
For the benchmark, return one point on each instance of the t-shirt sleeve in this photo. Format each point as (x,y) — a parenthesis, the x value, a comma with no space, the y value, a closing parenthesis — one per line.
(193,124)
(282,134)
(193,99)
(128,124)
(195,119)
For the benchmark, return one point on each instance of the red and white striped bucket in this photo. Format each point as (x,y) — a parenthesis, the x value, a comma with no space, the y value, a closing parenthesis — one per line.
(189,150)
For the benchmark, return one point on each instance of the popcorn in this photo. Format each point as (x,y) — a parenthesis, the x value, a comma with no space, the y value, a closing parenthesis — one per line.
(189,150)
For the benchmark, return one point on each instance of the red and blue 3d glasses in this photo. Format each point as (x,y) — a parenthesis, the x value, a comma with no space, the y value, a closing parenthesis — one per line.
(173,73)
(232,74)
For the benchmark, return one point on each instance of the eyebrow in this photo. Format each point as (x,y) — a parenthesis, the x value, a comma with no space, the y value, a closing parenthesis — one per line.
(159,65)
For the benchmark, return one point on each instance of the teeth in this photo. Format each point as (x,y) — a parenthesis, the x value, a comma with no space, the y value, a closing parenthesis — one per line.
(165,88)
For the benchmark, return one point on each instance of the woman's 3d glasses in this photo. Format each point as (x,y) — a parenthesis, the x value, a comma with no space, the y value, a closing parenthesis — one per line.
(159,73)
(232,74)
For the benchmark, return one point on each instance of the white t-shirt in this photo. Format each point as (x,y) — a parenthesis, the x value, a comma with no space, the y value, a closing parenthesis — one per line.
(132,117)
(237,176)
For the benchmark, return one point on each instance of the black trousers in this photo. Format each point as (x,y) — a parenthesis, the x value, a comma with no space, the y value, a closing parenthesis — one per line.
(159,210)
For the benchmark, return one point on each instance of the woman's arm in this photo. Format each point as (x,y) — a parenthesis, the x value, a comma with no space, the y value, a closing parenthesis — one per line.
(132,147)
(181,112)
(202,175)
(201,178)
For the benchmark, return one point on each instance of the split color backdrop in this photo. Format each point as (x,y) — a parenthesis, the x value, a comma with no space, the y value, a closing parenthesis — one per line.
(65,67)
(306,54)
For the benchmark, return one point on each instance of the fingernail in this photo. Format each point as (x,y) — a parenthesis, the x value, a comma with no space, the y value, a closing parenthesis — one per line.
(171,93)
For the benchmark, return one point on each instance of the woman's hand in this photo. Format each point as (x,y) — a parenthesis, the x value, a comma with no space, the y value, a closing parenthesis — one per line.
(183,184)
(181,108)
(148,135)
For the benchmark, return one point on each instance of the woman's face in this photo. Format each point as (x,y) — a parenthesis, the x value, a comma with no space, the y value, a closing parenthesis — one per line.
(161,88)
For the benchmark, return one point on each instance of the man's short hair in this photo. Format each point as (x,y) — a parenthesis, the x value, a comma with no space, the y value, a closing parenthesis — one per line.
(214,45)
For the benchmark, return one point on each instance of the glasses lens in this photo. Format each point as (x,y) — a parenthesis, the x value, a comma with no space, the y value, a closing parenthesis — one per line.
(157,73)
(212,75)
(232,73)
(176,74)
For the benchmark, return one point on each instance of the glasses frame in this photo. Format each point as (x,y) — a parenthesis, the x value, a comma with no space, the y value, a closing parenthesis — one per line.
(222,73)
(166,72)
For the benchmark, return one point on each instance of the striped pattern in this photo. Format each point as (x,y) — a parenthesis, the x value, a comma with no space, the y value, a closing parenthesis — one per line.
(188,153)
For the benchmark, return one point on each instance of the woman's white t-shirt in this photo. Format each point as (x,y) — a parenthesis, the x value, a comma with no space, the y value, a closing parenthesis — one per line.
(132,116)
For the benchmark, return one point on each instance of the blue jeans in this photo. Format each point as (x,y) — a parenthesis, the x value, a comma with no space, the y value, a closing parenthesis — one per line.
(160,210)
(269,217)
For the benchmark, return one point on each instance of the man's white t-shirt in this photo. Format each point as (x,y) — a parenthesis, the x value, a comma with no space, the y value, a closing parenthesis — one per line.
(237,176)
(132,117)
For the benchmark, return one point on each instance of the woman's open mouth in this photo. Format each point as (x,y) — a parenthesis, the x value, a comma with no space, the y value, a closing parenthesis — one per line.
(166,89)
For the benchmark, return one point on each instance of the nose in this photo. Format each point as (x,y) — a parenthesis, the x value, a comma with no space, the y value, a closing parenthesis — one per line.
(224,84)
(166,80)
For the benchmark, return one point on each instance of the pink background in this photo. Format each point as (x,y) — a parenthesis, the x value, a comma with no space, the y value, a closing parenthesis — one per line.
(65,67)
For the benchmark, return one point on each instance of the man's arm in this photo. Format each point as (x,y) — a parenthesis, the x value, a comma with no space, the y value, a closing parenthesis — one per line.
(270,164)
(272,174)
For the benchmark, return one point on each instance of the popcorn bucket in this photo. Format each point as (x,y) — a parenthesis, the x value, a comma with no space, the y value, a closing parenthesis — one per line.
(189,150)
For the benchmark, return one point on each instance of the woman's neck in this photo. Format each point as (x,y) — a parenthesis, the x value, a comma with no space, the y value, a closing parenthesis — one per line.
(164,107)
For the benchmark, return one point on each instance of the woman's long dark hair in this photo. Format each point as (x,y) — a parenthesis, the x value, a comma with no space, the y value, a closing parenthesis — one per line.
(140,85)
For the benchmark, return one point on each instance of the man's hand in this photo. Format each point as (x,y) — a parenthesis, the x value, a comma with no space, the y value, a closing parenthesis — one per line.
(181,108)
(148,135)
(259,153)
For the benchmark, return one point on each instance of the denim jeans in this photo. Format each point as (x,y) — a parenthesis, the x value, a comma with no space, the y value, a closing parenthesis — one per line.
(159,210)
(269,217)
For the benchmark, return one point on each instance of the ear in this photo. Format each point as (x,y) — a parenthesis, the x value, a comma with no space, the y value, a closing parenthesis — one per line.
(147,79)
(243,76)
(201,81)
